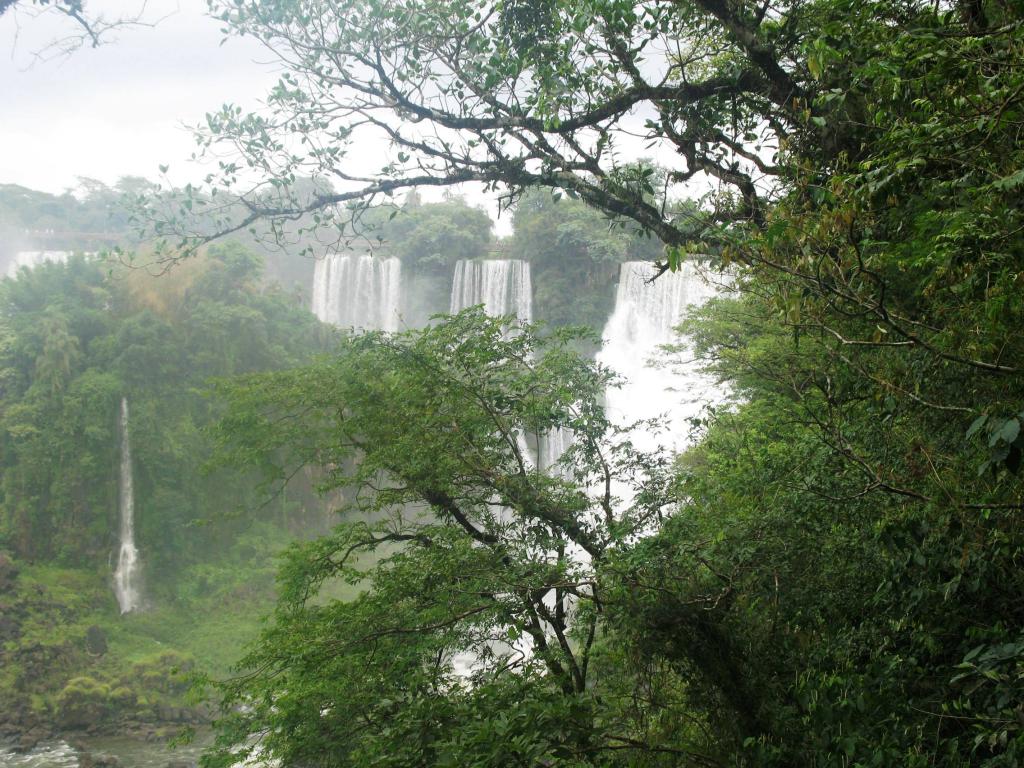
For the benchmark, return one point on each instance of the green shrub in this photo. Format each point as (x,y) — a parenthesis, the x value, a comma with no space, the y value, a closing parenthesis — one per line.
(84,701)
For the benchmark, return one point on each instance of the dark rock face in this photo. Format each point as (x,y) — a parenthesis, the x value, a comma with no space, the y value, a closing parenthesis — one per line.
(10,628)
(8,572)
(31,738)
(95,641)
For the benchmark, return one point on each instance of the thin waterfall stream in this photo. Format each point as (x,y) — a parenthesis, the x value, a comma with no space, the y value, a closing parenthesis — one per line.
(127,573)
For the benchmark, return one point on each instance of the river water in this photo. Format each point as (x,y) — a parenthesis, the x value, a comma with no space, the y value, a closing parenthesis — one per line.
(129,753)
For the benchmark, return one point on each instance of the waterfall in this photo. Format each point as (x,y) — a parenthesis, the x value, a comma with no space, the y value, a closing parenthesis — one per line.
(32,259)
(645,317)
(551,447)
(360,292)
(501,285)
(126,575)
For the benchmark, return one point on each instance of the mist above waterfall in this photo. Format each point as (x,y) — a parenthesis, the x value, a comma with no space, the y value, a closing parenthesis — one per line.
(33,259)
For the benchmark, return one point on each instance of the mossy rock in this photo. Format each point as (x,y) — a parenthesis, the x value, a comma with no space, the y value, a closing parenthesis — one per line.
(168,673)
(123,698)
(95,640)
(84,701)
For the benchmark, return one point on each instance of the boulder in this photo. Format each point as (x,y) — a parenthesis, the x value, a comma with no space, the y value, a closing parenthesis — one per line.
(84,703)
(31,738)
(26,743)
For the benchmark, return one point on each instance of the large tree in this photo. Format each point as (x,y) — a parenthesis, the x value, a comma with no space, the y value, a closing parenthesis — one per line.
(801,121)
(855,531)
(520,94)
(471,558)
(864,157)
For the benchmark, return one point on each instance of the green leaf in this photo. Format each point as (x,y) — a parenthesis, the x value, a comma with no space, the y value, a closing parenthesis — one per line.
(1009,431)
(976,425)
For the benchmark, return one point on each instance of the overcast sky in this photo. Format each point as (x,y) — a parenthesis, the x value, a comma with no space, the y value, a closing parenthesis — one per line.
(119,109)
(123,108)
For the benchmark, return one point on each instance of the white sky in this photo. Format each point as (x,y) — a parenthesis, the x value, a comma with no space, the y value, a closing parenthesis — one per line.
(123,108)
(119,109)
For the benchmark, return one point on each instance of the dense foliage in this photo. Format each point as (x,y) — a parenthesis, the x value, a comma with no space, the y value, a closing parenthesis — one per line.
(479,558)
(574,253)
(830,577)
(74,340)
(78,338)
(838,581)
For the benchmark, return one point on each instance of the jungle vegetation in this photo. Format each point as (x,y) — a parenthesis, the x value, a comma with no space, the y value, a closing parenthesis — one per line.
(831,575)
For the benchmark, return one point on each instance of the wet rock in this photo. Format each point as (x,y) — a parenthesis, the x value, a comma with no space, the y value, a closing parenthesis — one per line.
(137,730)
(167,713)
(84,703)
(95,640)
(31,738)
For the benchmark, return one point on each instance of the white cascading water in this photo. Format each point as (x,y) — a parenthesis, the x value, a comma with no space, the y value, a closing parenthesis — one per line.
(646,314)
(32,259)
(501,285)
(358,291)
(551,447)
(126,575)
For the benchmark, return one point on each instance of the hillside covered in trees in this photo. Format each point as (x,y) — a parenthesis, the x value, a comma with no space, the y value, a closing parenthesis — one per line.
(831,575)
(823,570)
(92,337)
(77,339)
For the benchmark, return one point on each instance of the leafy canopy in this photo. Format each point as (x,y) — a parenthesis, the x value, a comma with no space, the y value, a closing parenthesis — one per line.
(469,554)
